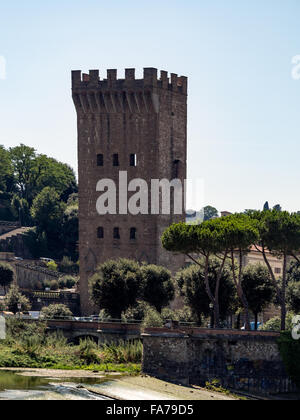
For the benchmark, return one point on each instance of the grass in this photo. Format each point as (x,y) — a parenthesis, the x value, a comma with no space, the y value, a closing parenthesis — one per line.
(30,346)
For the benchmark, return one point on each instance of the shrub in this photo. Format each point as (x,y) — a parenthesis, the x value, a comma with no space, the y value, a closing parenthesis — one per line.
(70,281)
(67,266)
(54,285)
(14,298)
(88,352)
(56,312)
(52,266)
(153,319)
(137,312)
(274,324)
(290,353)
(123,352)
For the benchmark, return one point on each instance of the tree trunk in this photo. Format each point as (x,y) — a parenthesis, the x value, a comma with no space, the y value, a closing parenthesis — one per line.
(217,315)
(238,283)
(283,295)
(256,321)
(238,322)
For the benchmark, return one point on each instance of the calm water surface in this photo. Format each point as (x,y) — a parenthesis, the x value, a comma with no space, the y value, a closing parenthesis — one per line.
(17,387)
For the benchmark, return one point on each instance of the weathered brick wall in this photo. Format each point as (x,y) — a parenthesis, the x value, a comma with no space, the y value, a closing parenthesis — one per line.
(148,118)
(248,362)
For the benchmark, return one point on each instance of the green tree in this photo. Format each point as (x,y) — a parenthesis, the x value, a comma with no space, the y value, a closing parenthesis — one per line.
(158,288)
(56,175)
(47,212)
(56,312)
(277,207)
(241,233)
(293,272)
(21,210)
(258,289)
(210,213)
(14,298)
(23,159)
(6,169)
(6,275)
(205,240)
(35,172)
(116,286)
(293,296)
(279,233)
(191,282)
(70,231)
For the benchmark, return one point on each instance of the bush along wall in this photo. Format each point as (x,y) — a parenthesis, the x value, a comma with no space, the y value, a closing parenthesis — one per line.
(290,353)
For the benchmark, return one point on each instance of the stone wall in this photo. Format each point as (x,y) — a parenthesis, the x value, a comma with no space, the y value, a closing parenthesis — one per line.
(6,227)
(120,118)
(40,300)
(29,275)
(242,361)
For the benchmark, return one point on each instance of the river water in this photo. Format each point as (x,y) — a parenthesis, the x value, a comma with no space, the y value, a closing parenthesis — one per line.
(17,387)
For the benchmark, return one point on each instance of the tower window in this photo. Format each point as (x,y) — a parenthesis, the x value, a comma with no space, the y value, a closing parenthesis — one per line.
(176,167)
(100,233)
(133,160)
(100,160)
(117,233)
(133,234)
(116,160)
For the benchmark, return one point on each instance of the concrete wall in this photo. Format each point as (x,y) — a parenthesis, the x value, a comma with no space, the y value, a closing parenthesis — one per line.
(243,361)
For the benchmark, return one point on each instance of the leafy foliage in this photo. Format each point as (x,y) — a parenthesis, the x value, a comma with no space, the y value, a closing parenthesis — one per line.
(14,298)
(6,275)
(158,288)
(258,288)
(191,283)
(116,286)
(56,312)
(290,353)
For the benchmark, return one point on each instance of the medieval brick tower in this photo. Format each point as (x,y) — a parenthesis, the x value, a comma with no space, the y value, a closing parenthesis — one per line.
(137,126)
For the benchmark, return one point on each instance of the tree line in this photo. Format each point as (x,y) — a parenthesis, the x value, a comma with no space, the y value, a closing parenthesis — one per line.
(38,191)
(229,239)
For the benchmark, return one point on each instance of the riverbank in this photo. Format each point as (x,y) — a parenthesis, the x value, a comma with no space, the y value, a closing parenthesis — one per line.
(85,384)
(28,346)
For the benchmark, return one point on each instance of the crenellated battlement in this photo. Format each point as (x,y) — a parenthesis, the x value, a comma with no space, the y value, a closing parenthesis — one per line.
(92,81)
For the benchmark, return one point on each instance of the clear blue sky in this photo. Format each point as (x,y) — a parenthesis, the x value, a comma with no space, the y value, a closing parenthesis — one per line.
(244,106)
